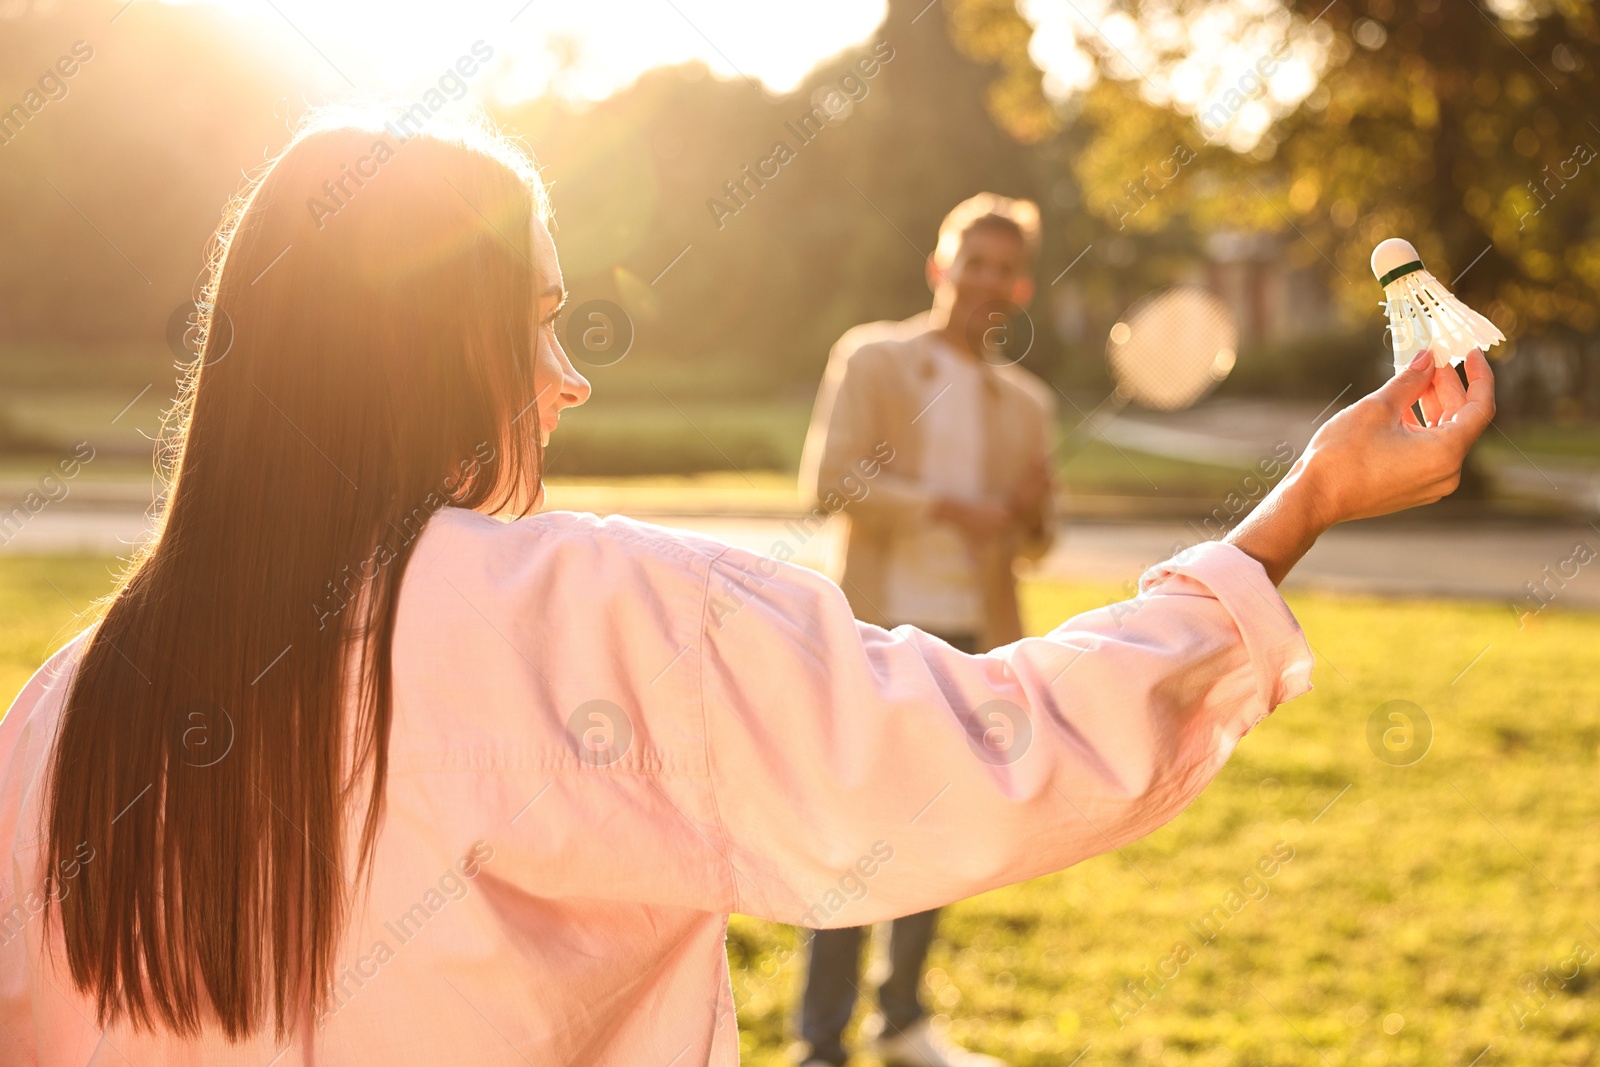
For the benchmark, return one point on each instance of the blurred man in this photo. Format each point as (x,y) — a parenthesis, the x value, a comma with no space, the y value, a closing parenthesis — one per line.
(932,539)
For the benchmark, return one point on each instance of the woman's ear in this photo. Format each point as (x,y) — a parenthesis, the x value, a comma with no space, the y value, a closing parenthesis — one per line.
(1022,292)
(935,274)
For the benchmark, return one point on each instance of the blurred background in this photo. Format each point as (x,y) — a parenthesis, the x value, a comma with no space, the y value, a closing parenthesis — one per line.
(1255,148)
(1258,149)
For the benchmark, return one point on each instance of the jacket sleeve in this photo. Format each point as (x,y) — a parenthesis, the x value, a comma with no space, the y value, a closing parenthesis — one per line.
(24,761)
(848,463)
(862,774)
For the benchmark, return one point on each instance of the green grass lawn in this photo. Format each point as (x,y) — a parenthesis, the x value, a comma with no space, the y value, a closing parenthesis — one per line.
(1577,442)
(1418,901)
(614,438)
(40,602)
(1098,468)
(644,430)
(1416,904)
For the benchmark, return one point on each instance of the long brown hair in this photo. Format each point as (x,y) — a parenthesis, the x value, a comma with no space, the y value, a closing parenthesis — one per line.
(367,358)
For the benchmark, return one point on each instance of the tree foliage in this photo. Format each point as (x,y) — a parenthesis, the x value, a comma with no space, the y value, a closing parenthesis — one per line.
(159,129)
(1467,128)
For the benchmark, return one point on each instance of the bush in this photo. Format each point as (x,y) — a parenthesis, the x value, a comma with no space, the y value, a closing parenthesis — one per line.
(639,437)
(1309,368)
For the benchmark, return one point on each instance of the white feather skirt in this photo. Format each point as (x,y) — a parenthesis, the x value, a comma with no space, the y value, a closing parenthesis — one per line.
(1424,314)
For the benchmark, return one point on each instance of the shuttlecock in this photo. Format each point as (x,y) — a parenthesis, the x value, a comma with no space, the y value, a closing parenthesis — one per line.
(1423,313)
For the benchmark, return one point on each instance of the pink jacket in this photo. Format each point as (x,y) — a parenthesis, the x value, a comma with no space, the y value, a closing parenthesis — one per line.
(608,736)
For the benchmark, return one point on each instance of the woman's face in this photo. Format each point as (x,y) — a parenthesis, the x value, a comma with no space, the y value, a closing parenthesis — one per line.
(559,385)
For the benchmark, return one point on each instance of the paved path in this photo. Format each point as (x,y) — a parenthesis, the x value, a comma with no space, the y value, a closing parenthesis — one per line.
(1241,433)
(1479,560)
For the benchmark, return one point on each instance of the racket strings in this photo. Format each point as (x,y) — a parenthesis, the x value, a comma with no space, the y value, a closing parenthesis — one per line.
(1169,352)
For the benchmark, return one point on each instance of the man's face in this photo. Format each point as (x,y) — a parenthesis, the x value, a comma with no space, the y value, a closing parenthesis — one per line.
(990,267)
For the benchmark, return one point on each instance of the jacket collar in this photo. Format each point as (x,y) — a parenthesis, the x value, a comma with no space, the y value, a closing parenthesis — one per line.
(921,339)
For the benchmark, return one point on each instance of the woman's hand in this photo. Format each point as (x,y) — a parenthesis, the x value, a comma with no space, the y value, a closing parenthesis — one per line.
(1374,458)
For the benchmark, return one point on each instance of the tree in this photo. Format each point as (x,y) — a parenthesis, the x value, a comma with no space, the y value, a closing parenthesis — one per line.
(785,250)
(1468,130)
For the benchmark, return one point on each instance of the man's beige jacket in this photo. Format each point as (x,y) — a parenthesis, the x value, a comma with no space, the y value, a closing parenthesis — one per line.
(863,458)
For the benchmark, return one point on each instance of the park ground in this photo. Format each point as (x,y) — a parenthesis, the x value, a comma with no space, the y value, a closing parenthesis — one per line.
(1427,916)
(1429,911)
(1420,903)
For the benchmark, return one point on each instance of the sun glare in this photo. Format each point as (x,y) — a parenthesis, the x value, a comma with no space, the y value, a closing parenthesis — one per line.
(585,50)
(1235,67)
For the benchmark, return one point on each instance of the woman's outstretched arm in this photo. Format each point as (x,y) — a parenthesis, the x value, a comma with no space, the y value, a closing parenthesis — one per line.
(1373,458)
(860,774)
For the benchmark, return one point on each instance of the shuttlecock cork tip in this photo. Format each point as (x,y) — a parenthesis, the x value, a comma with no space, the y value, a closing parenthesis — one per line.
(1390,254)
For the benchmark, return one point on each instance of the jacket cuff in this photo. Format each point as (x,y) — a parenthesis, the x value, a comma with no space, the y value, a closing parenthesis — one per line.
(1277,647)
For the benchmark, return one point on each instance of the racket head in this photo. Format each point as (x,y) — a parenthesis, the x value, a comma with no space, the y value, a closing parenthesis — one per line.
(1171,348)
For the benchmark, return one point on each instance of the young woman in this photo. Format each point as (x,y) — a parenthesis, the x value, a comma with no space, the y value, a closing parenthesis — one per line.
(351,770)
